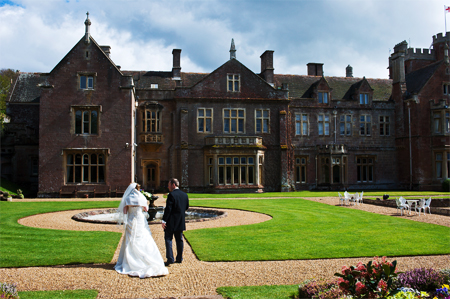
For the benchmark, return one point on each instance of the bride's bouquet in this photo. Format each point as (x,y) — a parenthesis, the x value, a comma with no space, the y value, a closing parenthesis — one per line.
(147,195)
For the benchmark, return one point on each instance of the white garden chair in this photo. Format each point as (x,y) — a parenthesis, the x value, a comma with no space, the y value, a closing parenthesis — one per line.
(341,199)
(423,205)
(359,198)
(348,197)
(401,204)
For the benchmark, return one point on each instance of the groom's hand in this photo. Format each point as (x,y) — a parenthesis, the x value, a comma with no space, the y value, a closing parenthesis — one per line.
(163,225)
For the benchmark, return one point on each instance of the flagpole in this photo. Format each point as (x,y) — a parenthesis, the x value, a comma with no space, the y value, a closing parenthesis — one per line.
(445,19)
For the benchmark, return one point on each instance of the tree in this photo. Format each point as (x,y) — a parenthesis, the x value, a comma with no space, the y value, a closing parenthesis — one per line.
(7,77)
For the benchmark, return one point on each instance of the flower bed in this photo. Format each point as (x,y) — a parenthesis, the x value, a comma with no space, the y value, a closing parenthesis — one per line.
(379,279)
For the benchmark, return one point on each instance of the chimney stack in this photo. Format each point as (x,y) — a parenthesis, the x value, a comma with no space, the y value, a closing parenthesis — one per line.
(176,69)
(267,66)
(315,69)
(349,71)
(106,49)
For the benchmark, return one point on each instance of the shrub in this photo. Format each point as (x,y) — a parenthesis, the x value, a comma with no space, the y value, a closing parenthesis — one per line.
(320,289)
(20,193)
(8,291)
(423,279)
(369,281)
(446,185)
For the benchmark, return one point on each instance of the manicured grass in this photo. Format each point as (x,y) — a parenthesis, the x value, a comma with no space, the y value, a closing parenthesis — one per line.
(64,294)
(259,292)
(27,246)
(11,187)
(302,229)
(318,194)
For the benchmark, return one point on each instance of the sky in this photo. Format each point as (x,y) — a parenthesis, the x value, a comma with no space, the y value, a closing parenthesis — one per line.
(36,34)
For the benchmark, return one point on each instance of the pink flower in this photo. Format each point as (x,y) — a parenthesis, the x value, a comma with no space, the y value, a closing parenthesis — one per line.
(382,285)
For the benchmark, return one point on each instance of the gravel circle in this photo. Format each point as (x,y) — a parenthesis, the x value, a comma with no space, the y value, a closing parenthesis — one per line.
(193,277)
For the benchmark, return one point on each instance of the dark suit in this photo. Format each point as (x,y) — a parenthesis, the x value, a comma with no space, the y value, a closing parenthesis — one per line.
(174,216)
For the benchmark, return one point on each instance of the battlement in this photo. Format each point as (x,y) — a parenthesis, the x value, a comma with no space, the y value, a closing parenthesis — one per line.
(418,53)
(440,38)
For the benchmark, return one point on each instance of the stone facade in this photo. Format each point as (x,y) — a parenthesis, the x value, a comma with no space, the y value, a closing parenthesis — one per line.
(233,130)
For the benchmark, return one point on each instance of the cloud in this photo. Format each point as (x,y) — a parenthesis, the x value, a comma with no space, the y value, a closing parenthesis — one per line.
(142,34)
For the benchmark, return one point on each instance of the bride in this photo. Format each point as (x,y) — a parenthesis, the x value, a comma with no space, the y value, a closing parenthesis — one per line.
(139,255)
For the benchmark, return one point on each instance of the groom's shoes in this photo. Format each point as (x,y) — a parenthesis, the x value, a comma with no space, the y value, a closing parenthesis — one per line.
(178,262)
(167,264)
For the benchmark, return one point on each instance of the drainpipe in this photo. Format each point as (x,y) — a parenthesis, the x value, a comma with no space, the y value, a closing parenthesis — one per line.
(316,171)
(410,149)
(335,113)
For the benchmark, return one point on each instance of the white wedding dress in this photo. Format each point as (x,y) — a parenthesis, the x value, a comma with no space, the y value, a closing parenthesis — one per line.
(139,255)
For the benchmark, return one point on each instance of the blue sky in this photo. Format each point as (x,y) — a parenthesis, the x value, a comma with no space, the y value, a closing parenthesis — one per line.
(36,35)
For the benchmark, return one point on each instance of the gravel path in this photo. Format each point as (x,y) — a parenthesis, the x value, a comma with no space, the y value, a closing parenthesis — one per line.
(193,277)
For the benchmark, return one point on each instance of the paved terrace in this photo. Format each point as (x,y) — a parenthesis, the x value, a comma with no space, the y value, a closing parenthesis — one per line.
(192,278)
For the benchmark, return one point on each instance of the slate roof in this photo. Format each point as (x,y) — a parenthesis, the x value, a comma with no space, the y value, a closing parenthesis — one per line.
(416,80)
(26,88)
(301,86)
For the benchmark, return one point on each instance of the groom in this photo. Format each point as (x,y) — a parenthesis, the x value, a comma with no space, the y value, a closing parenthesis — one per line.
(173,221)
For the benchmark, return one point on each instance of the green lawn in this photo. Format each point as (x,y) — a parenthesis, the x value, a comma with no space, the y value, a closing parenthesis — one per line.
(259,292)
(64,294)
(22,246)
(302,229)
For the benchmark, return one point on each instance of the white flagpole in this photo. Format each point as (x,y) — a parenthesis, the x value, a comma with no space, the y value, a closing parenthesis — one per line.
(445,19)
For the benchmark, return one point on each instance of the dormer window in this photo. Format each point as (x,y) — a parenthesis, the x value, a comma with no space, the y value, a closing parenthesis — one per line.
(323,97)
(363,98)
(233,82)
(154,86)
(86,81)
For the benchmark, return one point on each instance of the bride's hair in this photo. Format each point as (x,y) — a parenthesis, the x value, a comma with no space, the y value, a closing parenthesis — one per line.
(138,187)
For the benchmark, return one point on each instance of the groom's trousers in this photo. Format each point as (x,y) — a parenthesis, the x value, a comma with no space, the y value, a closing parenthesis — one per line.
(168,236)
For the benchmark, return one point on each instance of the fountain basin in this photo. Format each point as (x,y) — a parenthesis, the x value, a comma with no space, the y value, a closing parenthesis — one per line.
(110,216)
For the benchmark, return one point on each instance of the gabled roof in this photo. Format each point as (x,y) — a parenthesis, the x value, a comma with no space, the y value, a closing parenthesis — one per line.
(92,40)
(416,80)
(26,89)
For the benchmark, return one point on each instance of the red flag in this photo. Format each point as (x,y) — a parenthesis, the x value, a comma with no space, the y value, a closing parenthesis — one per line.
(447,8)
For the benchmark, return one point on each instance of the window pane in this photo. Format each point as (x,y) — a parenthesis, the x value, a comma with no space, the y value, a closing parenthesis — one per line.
(241,113)
(320,128)
(78,122)
(305,129)
(70,159)
(236,86)
(325,97)
(349,128)
(228,160)
(70,174)
(93,174)
(86,122)
(90,82)
(258,125)
(266,126)
(243,174)
(94,122)
(208,125)
(93,159)
(221,175)
(235,160)
(327,128)
(101,159)
(250,174)
(266,113)
(200,112)
(243,160)
(233,125)
(78,159)
(101,174)
(236,175)
(77,174)
(250,160)
(208,112)
(83,82)
(228,175)
(200,125)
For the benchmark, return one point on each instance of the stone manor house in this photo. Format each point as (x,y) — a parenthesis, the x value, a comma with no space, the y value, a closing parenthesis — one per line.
(89,127)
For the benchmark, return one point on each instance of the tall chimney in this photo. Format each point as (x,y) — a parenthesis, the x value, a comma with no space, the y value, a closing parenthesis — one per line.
(267,66)
(349,71)
(315,69)
(232,50)
(397,62)
(176,69)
